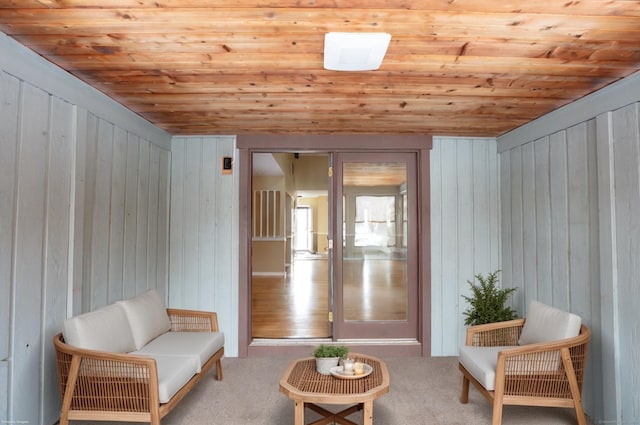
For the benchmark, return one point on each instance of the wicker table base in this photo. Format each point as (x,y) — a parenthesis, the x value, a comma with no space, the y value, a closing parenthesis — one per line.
(308,388)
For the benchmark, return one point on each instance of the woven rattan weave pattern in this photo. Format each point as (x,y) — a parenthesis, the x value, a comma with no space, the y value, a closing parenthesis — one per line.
(305,386)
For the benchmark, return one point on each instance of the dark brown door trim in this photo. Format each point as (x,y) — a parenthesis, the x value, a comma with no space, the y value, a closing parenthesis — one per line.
(247,144)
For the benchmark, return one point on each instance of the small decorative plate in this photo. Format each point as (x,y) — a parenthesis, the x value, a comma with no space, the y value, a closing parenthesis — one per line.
(338,372)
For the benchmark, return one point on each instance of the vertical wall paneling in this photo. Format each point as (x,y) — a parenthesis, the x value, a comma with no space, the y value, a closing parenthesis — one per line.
(609,407)
(9,111)
(142,219)
(226,225)
(464,231)
(466,206)
(191,226)
(207,234)
(84,259)
(450,286)
(437,308)
(4,390)
(65,210)
(582,230)
(485,206)
(162,261)
(152,222)
(130,216)
(626,152)
(505,220)
(559,220)
(517,238)
(176,227)
(58,223)
(543,253)
(594,374)
(587,233)
(126,208)
(203,244)
(101,212)
(579,217)
(549,222)
(75,292)
(28,251)
(116,215)
(529,237)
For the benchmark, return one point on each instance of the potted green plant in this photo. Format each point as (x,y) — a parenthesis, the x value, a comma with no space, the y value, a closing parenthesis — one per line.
(487,301)
(328,356)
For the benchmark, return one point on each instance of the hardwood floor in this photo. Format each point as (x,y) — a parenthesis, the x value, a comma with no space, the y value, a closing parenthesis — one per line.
(293,307)
(297,306)
(375,290)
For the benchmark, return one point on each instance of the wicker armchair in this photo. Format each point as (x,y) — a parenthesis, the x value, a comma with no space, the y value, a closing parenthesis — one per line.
(541,374)
(100,386)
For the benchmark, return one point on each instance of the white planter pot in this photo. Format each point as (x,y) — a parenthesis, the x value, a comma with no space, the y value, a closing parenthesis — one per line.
(324,364)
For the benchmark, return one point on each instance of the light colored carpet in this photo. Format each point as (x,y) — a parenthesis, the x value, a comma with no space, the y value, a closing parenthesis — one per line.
(423,391)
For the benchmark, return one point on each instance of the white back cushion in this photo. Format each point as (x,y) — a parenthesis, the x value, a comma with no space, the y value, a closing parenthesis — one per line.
(545,323)
(147,316)
(105,329)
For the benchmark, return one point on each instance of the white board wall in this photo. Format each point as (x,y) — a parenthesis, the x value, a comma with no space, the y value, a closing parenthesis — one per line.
(550,227)
(71,182)
(571,234)
(465,231)
(204,231)
(123,224)
(619,182)
(37,148)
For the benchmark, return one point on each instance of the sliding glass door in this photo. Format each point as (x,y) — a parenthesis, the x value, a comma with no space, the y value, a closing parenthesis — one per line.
(339,260)
(375,271)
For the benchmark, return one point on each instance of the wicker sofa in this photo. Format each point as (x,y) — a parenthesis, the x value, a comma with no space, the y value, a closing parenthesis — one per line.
(134,360)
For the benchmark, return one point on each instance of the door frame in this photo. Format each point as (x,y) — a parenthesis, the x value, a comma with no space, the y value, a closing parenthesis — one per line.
(419,144)
(361,329)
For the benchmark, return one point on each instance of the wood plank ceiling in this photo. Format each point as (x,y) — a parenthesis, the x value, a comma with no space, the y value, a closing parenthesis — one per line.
(466,68)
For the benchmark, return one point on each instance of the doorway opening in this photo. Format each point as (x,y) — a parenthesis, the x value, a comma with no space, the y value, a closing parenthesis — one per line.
(341,249)
(303,235)
(291,300)
(374,284)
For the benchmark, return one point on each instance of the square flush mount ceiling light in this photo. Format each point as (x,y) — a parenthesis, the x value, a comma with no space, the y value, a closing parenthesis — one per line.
(346,51)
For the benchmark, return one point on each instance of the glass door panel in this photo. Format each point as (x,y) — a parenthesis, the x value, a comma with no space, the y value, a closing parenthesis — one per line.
(374,275)
(290,267)
(375,270)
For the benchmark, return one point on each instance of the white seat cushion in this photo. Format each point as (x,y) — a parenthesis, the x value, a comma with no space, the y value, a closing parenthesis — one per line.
(173,373)
(147,316)
(105,329)
(544,323)
(481,363)
(199,345)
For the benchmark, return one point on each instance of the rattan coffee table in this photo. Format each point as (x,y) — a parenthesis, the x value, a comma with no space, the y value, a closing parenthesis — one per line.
(306,387)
